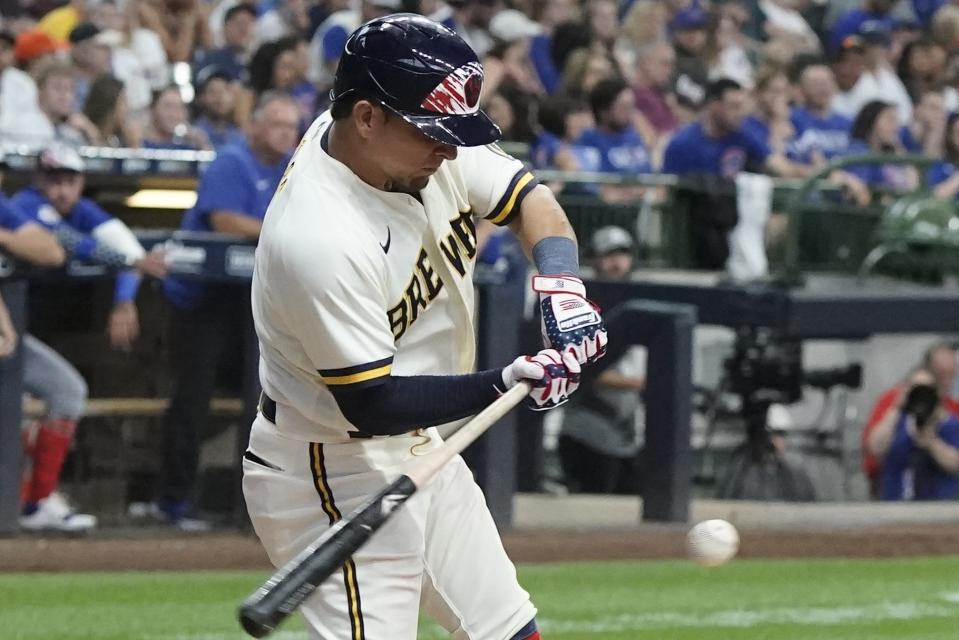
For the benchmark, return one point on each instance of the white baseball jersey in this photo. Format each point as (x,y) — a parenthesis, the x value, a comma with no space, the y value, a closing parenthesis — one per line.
(353,283)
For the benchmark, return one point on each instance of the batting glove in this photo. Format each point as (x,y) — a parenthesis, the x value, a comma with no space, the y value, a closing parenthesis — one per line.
(570,322)
(554,377)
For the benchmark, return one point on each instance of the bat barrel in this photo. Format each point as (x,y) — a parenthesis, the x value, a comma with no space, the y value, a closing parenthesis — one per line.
(286,590)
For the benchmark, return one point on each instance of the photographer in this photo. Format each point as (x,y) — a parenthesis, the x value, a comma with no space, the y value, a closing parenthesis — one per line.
(938,367)
(922,462)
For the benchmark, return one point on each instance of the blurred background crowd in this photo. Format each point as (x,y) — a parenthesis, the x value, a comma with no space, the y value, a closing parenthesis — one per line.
(630,86)
(696,88)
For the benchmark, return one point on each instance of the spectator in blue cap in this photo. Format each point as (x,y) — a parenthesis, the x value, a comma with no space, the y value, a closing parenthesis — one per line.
(924,10)
(877,38)
(687,30)
(852,22)
(855,86)
(234,55)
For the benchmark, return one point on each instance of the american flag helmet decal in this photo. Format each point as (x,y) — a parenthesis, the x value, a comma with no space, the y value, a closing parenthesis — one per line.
(458,94)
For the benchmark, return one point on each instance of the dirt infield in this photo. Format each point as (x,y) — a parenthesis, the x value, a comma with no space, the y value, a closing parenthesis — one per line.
(147,551)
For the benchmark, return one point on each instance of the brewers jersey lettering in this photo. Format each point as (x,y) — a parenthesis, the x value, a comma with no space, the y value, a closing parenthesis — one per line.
(354,284)
(364,283)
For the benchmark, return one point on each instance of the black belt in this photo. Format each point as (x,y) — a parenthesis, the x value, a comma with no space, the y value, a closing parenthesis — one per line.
(268,411)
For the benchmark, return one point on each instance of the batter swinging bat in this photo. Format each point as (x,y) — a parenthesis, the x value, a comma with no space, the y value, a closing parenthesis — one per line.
(293,583)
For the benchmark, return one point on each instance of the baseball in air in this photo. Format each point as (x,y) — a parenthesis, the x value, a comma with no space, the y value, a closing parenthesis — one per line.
(712,543)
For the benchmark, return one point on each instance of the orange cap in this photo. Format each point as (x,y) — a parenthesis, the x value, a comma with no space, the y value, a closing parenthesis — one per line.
(33,44)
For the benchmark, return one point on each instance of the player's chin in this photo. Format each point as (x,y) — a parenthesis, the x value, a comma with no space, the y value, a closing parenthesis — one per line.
(419,182)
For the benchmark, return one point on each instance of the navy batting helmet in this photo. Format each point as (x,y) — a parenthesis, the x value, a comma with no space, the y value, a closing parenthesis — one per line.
(421,71)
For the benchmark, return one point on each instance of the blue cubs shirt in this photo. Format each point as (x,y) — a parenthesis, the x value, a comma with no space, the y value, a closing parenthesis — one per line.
(219,136)
(619,152)
(541,55)
(757,128)
(235,181)
(11,218)
(893,176)
(691,151)
(85,216)
(828,136)
(940,172)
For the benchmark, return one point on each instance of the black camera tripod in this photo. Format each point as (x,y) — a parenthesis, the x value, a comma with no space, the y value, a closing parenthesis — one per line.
(758,470)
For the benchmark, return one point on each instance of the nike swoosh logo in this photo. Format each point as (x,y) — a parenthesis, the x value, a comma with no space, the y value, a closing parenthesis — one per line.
(386,247)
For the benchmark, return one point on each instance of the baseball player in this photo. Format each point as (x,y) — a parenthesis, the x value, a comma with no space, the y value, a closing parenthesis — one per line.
(90,233)
(48,376)
(363,304)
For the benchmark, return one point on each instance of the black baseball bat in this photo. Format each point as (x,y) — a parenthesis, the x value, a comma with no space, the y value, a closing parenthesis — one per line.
(293,583)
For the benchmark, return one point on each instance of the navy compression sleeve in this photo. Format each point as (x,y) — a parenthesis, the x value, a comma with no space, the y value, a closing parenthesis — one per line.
(402,404)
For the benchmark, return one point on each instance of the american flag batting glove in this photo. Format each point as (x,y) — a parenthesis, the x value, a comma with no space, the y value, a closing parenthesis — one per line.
(554,377)
(570,322)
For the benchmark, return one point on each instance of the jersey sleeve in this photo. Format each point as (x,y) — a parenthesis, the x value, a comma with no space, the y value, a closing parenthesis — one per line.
(223,187)
(336,304)
(342,321)
(11,218)
(496,182)
(334,40)
(757,149)
(87,216)
(673,161)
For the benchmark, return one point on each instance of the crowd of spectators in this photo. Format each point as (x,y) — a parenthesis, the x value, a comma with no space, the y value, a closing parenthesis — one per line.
(685,87)
(626,86)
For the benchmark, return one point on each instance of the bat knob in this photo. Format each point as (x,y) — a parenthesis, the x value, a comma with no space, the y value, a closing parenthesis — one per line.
(255,622)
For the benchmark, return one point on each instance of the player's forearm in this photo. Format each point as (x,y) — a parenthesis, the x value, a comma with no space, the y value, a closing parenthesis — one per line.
(235,224)
(947,190)
(401,404)
(541,217)
(780,166)
(36,245)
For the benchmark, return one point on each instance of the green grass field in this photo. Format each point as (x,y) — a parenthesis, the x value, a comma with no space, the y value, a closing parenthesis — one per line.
(906,599)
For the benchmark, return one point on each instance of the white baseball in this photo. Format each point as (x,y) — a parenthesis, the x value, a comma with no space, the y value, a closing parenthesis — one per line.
(712,542)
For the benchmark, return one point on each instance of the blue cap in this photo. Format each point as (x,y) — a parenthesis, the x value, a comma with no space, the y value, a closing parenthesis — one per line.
(875,32)
(423,72)
(688,19)
(905,22)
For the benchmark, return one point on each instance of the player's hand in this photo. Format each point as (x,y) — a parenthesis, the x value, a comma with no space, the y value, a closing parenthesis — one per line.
(570,322)
(8,338)
(124,325)
(153,264)
(554,377)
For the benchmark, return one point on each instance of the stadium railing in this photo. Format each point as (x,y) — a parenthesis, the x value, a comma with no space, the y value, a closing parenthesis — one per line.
(903,234)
